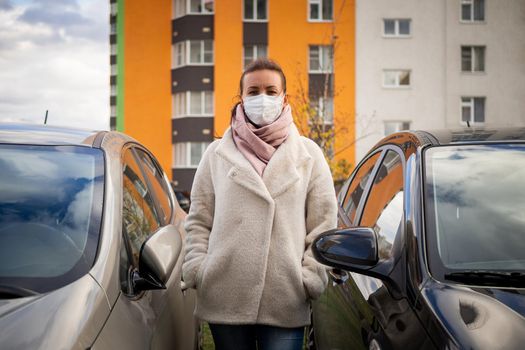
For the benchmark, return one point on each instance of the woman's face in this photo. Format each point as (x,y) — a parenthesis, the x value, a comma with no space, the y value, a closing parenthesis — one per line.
(262,82)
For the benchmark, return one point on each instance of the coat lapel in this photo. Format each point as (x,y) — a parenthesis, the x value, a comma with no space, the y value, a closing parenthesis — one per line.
(241,172)
(281,172)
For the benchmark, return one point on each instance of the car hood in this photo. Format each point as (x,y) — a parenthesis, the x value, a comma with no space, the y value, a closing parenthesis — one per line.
(67,318)
(479,317)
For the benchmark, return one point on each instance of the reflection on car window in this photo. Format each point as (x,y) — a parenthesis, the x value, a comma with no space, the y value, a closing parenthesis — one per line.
(356,188)
(383,210)
(158,184)
(50,208)
(139,216)
(475,211)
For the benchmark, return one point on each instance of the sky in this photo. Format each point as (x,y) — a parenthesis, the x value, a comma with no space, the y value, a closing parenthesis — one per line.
(54,55)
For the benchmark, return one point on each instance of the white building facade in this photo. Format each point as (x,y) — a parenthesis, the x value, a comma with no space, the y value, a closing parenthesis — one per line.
(432,64)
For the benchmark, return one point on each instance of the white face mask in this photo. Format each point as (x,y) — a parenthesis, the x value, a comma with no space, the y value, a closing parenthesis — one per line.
(263,109)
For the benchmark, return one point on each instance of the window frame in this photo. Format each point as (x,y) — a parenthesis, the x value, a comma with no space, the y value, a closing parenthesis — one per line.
(182,49)
(365,189)
(321,109)
(187,150)
(187,104)
(397,85)
(366,193)
(186,8)
(396,34)
(399,121)
(321,49)
(472,106)
(321,7)
(125,243)
(161,172)
(254,2)
(471,20)
(473,58)
(255,48)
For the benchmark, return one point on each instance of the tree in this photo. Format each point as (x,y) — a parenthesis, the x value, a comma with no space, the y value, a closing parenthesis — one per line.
(314,113)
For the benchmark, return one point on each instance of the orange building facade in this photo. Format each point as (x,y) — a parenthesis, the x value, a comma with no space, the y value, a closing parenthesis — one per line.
(176,66)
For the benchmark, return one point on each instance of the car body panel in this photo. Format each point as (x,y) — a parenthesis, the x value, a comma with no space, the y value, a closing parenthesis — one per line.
(67,318)
(430,314)
(33,134)
(93,311)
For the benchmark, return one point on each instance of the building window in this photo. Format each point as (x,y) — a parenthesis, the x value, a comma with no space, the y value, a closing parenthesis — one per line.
(113,49)
(188,154)
(320,10)
(252,52)
(113,111)
(113,69)
(193,104)
(395,126)
(192,52)
(321,59)
(472,110)
(472,58)
(113,28)
(113,9)
(396,78)
(396,27)
(324,108)
(113,89)
(178,54)
(200,6)
(200,51)
(192,7)
(255,10)
(472,10)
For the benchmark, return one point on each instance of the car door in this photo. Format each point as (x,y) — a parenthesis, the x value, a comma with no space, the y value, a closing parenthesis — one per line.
(145,319)
(337,314)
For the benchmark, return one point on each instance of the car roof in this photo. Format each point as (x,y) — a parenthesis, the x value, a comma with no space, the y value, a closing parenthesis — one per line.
(475,134)
(418,138)
(35,134)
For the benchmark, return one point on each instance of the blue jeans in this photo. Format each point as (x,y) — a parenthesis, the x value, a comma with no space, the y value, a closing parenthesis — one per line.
(252,337)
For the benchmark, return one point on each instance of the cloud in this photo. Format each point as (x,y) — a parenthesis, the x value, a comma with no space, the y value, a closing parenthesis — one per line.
(54,55)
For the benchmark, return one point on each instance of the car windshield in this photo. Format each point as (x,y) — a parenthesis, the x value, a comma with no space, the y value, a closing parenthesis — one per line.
(50,214)
(475,207)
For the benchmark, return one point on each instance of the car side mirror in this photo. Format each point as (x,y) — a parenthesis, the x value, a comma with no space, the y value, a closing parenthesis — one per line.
(158,257)
(356,250)
(352,249)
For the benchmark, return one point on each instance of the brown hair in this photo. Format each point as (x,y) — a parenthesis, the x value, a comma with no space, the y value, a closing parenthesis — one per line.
(257,65)
(263,64)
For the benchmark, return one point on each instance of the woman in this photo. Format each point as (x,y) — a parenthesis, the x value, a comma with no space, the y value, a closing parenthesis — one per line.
(260,196)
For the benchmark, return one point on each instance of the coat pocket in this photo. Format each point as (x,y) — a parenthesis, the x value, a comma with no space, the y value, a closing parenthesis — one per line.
(200,271)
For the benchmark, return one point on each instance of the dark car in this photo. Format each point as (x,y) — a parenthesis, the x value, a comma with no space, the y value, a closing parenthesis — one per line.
(91,244)
(429,252)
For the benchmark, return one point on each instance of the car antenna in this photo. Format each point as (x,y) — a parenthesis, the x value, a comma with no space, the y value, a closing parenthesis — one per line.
(468,123)
(45,119)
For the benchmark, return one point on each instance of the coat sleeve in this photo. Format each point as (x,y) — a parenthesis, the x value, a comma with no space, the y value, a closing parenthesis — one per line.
(321,216)
(199,221)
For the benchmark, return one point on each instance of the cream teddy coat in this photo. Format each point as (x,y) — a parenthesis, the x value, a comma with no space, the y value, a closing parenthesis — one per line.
(248,243)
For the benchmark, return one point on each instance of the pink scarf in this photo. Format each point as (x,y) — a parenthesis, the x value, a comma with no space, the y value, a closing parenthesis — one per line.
(259,144)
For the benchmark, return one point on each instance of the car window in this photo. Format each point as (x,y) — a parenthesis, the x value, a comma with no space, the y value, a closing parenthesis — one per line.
(475,207)
(139,214)
(158,185)
(357,186)
(51,200)
(383,210)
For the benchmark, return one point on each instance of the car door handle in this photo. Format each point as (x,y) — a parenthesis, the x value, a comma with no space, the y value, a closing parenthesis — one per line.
(339,276)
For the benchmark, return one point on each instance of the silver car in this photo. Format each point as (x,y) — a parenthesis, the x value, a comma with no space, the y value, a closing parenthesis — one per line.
(91,244)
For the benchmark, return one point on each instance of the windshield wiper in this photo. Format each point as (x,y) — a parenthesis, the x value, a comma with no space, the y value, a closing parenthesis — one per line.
(487,277)
(11,292)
